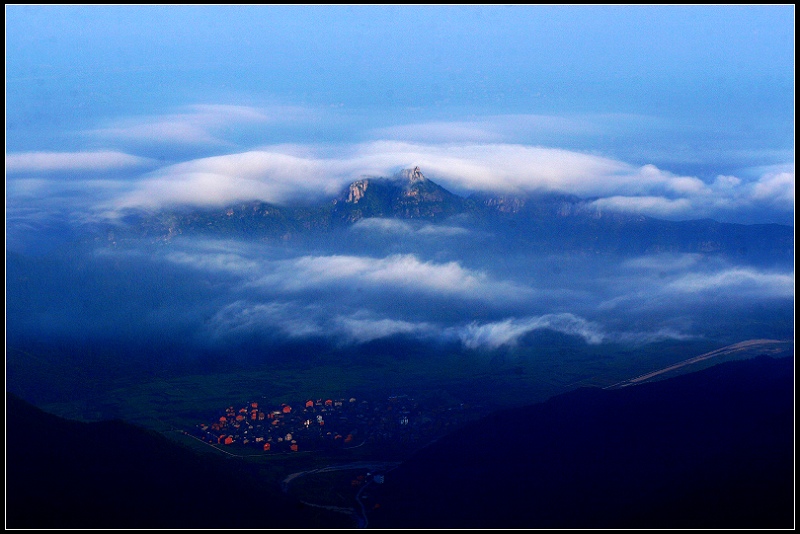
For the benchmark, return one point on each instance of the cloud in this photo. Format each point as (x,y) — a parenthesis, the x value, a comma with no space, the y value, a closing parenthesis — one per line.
(775,187)
(644,338)
(215,181)
(726,198)
(442,231)
(444,131)
(509,331)
(664,263)
(176,130)
(100,161)
(650,205)
(399,227)
(400,272)
(379,224)
(723,182)
(198,124)
(481,159)
(686,281)
(510,128)
(288,319)
(737,281)
(276,174)
(258,268)
(493,167)
(227,262)
(360,329)
(477,154)
(49,187)
(296,321)
(282,173)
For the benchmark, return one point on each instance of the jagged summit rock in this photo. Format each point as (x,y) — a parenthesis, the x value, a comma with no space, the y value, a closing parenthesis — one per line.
(406,194)
(407,177)
(412,175)
(356,191)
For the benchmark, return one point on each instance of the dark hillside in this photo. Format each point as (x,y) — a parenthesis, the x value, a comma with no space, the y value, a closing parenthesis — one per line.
(712,449)
(68,474)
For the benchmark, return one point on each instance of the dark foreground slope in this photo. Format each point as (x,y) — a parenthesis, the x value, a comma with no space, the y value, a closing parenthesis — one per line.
(713,449)
(68,474)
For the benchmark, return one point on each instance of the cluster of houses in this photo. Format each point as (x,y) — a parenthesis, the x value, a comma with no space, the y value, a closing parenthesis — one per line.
(324,424)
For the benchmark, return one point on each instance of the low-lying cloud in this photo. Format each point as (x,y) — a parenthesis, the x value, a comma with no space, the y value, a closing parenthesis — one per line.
(649,205)
(294,320)
(403,272)
(660,283)
(362,328)
(742,280)
(509,331)
(403,228)
(290,320)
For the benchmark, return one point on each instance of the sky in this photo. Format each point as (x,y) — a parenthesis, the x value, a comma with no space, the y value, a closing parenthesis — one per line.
(678,112)
(673,112)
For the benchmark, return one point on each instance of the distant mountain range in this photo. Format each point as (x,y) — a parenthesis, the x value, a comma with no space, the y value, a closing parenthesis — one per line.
(549,222)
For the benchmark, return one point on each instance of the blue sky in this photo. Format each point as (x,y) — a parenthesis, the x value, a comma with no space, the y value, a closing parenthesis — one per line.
(678,112)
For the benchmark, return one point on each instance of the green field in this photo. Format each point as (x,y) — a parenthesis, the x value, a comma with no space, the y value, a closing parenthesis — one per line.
(177,402)
(485,380)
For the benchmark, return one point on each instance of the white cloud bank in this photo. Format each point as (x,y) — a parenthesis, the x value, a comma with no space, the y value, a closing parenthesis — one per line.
(280,174)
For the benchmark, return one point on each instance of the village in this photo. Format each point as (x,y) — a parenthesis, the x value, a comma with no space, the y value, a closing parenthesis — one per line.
(329,424)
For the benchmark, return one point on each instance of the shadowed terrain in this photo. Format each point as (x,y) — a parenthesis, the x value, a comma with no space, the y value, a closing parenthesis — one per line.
(69,474)
(711,449)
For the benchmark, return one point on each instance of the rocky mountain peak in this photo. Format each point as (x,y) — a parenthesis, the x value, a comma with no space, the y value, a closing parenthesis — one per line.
(412,175)
(356,191)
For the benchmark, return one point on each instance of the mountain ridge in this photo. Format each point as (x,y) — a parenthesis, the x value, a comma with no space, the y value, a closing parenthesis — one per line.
(547,221)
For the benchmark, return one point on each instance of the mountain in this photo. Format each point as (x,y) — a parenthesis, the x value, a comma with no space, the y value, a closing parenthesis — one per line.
(542,221)
(409,195)
(711,449)
(69,474)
